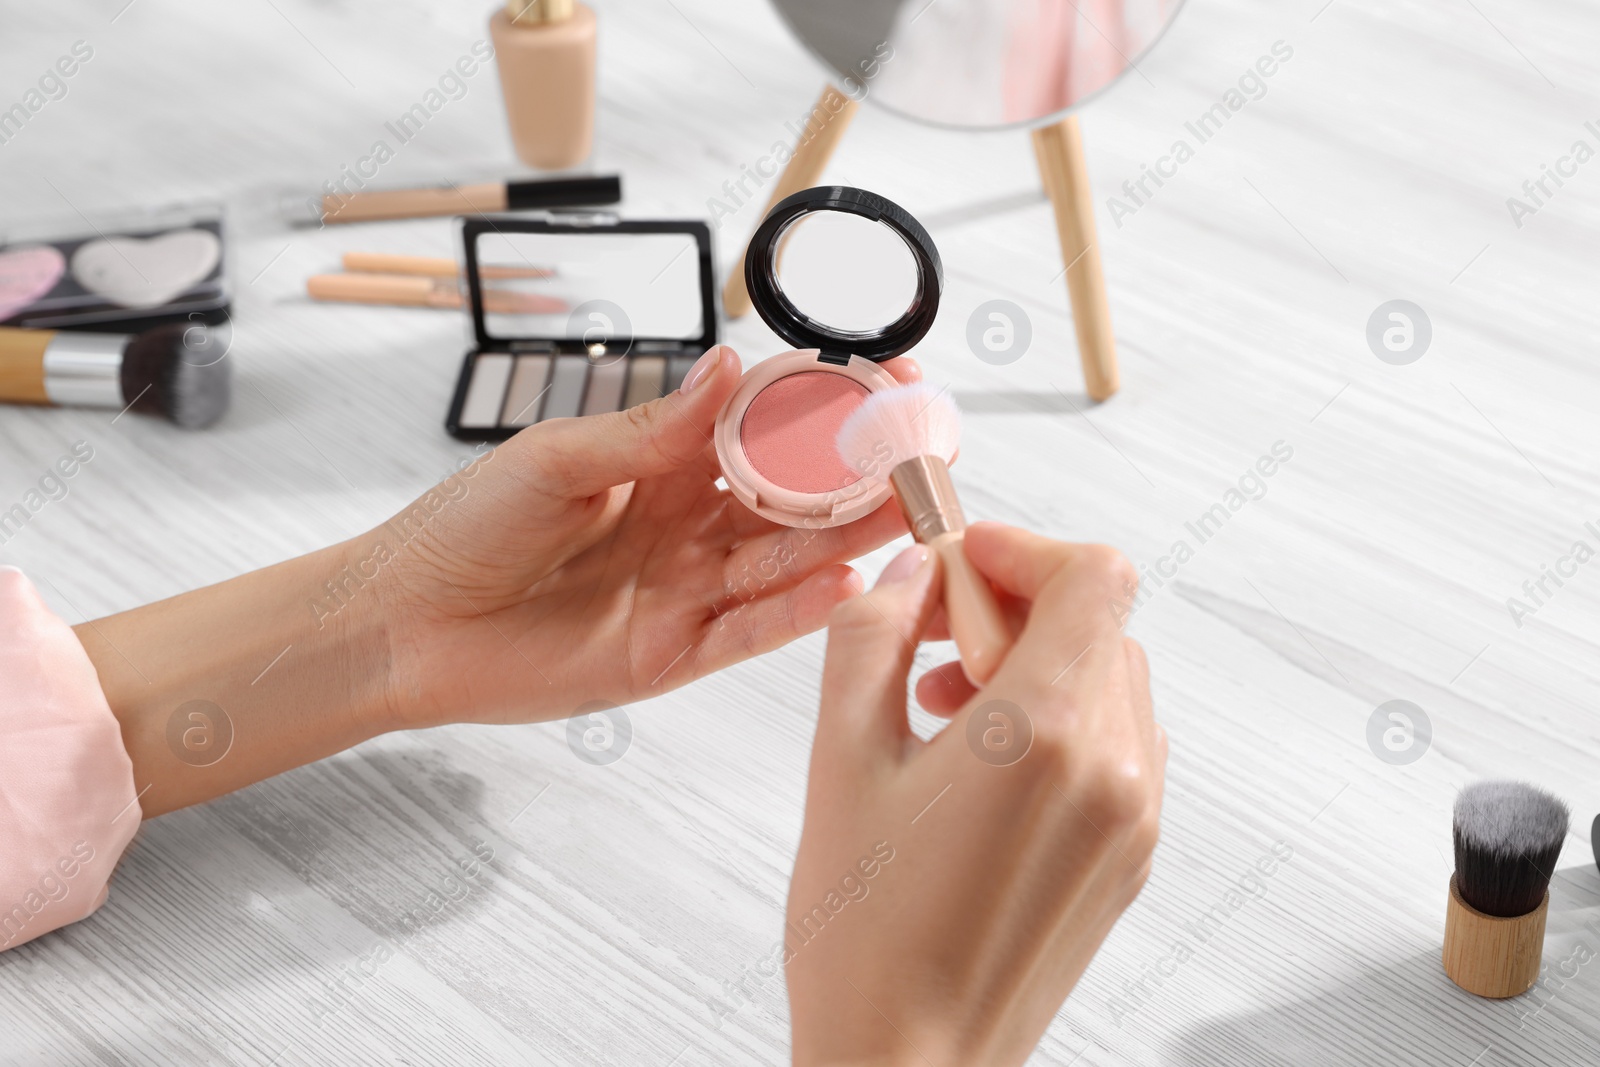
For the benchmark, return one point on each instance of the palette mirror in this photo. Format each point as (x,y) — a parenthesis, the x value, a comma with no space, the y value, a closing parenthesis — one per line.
(978,63)
(587,286)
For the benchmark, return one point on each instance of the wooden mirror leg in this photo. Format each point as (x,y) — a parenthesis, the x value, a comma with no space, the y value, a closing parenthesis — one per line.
(1059,148)
(829,119)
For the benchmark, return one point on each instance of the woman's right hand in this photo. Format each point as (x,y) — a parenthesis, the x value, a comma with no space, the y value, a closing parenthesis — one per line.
(948,895)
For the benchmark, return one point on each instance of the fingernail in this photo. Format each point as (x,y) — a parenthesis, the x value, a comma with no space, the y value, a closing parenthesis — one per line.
(904,565)
(702,367)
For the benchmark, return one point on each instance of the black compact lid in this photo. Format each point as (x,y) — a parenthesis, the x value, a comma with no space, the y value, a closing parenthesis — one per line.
(599,224)
(802,331)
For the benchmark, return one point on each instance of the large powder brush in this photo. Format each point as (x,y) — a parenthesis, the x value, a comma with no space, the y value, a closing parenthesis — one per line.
(1508,836)
(909,435)
(177,371)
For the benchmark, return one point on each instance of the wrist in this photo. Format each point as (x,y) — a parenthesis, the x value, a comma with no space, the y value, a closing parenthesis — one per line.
(347,613)
(278,682)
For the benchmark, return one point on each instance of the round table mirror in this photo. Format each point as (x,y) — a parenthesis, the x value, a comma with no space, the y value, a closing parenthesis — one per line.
(978,63)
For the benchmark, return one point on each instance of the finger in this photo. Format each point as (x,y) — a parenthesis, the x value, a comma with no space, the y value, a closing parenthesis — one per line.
(871,642)
(770,622)
(906,370)
(1080,596)
(787,555)
(944,690)
(1139,693)
(576,458)
(1139,689)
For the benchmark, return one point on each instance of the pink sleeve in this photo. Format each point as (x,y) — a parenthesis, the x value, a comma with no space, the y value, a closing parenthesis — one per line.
(67,806)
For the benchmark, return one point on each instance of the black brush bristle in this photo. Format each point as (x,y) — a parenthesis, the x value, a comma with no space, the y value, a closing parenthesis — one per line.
(1508,836)
(180,371)
(1594,840)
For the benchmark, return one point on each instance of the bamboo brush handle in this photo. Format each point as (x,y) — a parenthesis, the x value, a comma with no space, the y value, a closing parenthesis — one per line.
(22,365)
(976,623)
(1489,956)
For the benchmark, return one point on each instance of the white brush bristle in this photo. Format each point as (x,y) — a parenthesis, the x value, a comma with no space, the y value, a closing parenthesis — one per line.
(895,425)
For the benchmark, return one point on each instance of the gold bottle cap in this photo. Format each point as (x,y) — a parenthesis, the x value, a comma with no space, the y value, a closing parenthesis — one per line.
(535,12)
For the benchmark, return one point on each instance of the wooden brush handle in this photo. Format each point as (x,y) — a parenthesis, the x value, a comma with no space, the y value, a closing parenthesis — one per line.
(22,365)
(414,203)
(1489,956)
(976,623)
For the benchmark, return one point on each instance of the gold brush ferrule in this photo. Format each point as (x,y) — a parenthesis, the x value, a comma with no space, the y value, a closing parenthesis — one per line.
(928,497)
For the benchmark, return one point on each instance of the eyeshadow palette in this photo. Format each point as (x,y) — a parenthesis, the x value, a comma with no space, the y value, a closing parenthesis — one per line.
(630,306)
(127,273)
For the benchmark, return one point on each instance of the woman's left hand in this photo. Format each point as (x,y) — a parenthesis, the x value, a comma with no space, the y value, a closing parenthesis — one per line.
(596,559)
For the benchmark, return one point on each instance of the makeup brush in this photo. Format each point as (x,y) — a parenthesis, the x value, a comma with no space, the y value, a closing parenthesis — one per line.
(177,371)
(912,432)
(1507,838)
(530,194)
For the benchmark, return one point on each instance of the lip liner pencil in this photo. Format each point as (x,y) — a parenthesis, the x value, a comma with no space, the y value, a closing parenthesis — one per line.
(431,266)
(402,291)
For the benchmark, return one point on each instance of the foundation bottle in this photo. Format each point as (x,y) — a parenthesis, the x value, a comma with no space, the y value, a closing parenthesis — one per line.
(545,52)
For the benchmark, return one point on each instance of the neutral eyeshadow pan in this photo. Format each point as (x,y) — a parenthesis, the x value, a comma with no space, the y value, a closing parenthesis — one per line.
(481,408)
(677,369)
(526,389)
(565,398)
(606,383)
(644,384)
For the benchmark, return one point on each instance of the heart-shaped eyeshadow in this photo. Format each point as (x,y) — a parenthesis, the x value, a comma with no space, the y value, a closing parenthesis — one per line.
(143,272)
(26,274)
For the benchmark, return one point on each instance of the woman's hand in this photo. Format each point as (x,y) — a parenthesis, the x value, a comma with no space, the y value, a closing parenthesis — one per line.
(596,559)
(584,559)
(948,895)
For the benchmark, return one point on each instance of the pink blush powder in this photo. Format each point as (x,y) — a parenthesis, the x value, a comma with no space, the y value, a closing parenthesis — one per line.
(787,431)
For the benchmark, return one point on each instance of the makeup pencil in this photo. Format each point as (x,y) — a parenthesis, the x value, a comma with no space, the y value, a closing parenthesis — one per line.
(477,199)
(431,266)
(400,290)
(914,432)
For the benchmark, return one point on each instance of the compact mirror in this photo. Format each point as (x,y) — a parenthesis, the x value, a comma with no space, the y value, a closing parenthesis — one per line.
(844,271)
(978,63)
(847,272)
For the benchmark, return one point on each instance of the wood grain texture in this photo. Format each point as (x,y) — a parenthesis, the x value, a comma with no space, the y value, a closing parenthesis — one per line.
(1373,564)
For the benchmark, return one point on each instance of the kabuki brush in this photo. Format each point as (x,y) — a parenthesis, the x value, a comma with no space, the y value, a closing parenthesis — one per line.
(1508,836)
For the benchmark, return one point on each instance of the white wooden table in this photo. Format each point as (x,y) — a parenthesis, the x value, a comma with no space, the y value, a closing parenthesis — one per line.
(277,925)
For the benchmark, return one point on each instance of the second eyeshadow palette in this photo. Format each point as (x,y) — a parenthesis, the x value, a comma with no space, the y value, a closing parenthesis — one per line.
(633,308)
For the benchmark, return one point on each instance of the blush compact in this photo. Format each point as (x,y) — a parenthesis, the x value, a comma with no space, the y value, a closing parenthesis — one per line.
(851,280)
